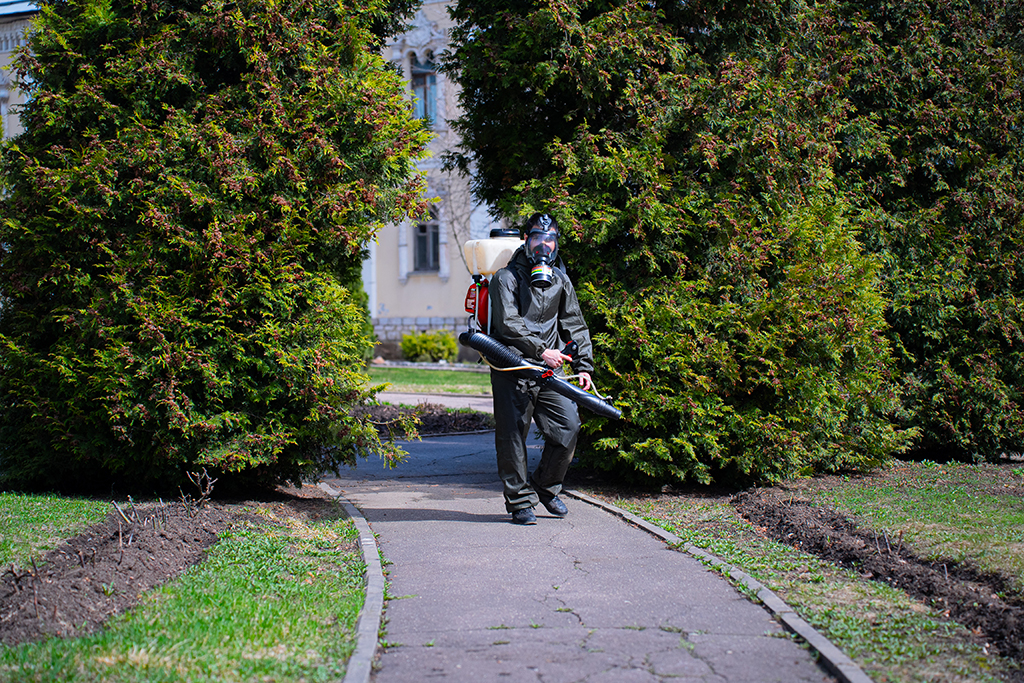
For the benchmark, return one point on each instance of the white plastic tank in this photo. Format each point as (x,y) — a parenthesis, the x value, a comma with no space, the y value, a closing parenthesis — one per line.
(487,257)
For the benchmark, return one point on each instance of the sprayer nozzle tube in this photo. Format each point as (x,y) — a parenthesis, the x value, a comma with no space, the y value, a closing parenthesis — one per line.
(503,357)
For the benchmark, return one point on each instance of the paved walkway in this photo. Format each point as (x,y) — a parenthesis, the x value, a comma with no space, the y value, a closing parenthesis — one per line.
(586,599)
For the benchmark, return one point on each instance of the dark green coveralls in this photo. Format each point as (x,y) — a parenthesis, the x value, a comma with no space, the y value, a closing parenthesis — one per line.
(530,320)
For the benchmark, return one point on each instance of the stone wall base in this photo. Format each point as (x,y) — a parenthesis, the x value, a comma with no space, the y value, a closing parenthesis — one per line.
(389,333)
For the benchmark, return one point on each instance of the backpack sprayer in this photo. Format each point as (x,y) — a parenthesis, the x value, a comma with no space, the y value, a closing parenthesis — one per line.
(485,258)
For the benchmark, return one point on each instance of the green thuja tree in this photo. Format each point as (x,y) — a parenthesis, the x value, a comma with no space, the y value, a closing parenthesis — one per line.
(931,155)
(181,234)
(689,151)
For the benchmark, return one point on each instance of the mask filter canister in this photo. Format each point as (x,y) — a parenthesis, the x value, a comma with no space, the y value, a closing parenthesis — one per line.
(541,275)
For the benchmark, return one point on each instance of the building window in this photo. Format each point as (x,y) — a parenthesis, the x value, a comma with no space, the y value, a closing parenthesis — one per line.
(428,245)
(424,90)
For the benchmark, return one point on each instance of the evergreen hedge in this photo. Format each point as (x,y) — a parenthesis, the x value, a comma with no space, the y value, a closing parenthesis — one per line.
(931,157)
(796,226)
(688,153)
(181,237)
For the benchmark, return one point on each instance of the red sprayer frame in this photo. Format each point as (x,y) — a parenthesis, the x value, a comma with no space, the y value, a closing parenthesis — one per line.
(476,303)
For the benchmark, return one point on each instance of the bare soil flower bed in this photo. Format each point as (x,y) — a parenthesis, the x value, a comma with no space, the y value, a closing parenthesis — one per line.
(983,601)
(75,588)
(104,570)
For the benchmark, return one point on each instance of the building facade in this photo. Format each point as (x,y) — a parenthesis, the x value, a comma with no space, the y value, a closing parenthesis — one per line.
(416,277)
(14,23)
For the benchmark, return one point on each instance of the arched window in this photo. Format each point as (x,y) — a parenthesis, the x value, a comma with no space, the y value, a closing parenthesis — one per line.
(427,244)
(424,90)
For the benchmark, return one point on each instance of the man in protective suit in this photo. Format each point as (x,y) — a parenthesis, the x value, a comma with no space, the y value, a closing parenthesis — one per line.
(534,311)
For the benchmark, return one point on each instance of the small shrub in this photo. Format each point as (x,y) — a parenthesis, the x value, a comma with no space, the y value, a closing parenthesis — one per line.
(429,347)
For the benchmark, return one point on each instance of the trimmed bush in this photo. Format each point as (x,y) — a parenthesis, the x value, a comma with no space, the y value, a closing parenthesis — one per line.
(715,161)
(931,157)
(182,231)
(429,347)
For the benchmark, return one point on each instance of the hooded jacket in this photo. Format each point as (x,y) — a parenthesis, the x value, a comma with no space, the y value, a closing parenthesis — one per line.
(530,319)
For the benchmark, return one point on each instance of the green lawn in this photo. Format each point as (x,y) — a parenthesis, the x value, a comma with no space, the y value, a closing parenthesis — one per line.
(32,524)
(276,599)
(421,381)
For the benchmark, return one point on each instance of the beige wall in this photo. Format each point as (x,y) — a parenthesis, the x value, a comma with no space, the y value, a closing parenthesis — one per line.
(401,299)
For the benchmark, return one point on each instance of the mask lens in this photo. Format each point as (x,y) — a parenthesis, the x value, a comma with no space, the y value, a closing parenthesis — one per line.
(542,244)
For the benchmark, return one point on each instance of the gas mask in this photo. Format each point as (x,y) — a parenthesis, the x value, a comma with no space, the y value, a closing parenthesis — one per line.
(542,250)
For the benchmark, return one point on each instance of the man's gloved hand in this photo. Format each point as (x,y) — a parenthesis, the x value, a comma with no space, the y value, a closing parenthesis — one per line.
(555,358)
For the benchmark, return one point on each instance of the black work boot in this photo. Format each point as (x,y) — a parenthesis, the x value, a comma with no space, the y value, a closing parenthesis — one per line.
(556,507)
(524,516)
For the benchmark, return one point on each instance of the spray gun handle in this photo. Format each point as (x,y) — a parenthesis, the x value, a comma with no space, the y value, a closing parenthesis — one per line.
(571,349)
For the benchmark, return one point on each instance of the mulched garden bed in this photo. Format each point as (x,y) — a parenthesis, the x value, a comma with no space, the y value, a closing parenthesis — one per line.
(430,419)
